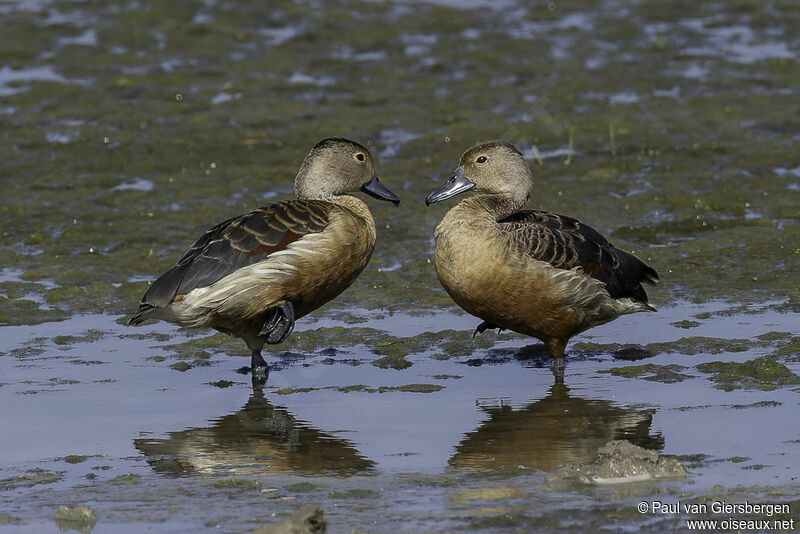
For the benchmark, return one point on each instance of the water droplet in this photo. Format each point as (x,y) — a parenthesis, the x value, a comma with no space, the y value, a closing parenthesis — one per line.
(178,97)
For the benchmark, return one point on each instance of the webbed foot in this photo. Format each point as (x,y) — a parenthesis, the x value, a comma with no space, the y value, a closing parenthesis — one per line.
(280,323)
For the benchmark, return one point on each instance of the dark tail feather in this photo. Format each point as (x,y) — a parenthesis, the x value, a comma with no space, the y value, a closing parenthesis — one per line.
(649,275)
(140,316)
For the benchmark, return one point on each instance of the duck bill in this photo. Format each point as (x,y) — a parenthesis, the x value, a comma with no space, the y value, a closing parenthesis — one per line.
(375,188)
(457,183)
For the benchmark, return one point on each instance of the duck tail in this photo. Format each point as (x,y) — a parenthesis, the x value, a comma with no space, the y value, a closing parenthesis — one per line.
(649,275)
(141,314)
(646,307)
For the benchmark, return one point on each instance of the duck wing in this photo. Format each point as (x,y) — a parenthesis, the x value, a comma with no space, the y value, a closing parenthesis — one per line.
(566,243)
(233,244)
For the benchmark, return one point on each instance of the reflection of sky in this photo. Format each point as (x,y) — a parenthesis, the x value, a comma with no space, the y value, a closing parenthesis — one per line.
(397,431)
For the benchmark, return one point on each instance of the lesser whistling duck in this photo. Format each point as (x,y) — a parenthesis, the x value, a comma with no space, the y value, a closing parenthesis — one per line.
(253,275)
(536,273)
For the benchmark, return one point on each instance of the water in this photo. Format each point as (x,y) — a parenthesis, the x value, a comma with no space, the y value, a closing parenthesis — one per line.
(381,408)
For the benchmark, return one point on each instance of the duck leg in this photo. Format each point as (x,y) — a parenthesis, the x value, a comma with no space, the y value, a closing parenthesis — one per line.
(279,324)
(558,365)
(258,366)
(484,326)
(557,347)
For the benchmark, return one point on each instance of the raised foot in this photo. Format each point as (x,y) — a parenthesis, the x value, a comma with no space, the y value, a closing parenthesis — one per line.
(484,326)
(280,323)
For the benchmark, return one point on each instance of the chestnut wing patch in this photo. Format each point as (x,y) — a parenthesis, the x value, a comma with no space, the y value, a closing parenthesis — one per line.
(566,243)
(237,243)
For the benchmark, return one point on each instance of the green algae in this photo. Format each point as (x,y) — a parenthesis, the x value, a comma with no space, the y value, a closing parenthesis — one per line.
(181,366)
(692,461)
(32,477)
(686,324)
(196,351)
(394,361)
(236,483)
(90,336)
(354,387)
(412,388)
(222,384)
(129,479)
(392,351)
(667,374)
(292,390)
(781,344)
(7,519)
(31,348)
(702,345)
(774,336)
(755,467)
(763,373)
(790,350)
(75,458)
(80,518)
(759,404)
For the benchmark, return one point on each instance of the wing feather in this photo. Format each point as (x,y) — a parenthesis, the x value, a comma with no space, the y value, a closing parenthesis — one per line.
(233,244)
(566,243)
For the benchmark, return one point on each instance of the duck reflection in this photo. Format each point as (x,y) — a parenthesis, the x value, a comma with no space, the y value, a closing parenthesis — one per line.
(556,430)
(259,439)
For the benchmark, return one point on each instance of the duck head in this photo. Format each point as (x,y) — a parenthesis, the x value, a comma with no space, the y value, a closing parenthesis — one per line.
(489,167)
(336,166)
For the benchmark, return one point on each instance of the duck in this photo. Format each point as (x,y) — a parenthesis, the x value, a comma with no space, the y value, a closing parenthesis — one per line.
(537,273)
(252,276)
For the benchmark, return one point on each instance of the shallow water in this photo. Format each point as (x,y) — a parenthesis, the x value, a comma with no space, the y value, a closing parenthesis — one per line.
(129,128)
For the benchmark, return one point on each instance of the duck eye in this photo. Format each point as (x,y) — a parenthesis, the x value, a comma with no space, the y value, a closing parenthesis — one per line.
(481,159)
(360,156)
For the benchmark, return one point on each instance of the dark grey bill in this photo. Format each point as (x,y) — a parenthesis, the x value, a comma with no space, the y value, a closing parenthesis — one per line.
(457,183)
(375,188)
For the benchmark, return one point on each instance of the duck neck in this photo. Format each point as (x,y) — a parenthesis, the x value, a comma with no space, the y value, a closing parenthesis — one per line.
(356,205)
(499,206)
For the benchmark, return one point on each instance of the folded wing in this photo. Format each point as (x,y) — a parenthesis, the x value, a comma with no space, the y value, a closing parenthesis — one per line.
(233,244)
(566,243)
